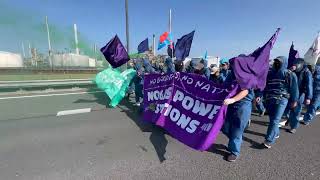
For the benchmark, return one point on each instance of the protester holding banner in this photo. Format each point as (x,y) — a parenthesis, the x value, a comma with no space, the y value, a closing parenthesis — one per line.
(238,115)
(281,86)
(202,69)
(249,72)
(191,67)
(305,92)
(214,74)
(315,103)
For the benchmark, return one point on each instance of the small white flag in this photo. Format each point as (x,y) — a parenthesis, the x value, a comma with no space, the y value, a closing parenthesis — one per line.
(313,54)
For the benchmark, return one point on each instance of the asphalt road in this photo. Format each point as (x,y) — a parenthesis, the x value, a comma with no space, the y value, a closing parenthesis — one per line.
(117,144)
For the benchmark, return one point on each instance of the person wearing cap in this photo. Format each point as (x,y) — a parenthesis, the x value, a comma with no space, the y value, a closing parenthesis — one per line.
(305,84)
(315,102)
(281,86)
(224,70)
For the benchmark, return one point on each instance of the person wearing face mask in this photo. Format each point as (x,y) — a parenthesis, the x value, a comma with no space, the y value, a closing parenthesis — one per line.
(202,69)
(281,86)
(315,102)
(305,84)
(191,67)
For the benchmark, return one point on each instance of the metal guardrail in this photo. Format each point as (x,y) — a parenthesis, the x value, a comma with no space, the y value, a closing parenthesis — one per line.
(44,83)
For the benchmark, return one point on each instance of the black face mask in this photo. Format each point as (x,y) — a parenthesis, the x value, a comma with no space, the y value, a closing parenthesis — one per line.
(299,63)
(277,65)
(311,68)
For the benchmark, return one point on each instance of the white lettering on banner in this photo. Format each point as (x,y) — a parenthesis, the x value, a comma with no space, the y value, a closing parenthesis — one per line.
(206,87)
(181,120)
(206,127)
(214,111)
(184,78)
(174,115)
(169,107)
(161,79)
(199,108)
(153,81)
(198,84)
(189,80)
(178,96)
(187,103)
(202,85)
(159,95)
(193,126)
(160,108)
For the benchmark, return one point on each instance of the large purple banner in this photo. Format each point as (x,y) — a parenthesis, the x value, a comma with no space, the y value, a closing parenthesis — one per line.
(188,106)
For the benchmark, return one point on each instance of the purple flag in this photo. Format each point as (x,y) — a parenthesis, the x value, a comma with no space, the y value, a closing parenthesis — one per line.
(293,54)
(115,53)
(183,46)
(251,71)
(188,106)
(143,46)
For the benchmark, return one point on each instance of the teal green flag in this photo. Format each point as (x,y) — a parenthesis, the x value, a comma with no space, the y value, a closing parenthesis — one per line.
(114,83)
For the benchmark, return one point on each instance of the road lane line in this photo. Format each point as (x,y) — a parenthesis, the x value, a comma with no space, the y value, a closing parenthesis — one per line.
(48,95)
(75,111)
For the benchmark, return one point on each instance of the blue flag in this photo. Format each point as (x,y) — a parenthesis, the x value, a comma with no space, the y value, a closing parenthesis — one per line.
(143,46)
(205,57)
(183,46)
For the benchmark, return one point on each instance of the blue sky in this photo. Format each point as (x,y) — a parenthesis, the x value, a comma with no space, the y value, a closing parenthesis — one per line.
(225,28)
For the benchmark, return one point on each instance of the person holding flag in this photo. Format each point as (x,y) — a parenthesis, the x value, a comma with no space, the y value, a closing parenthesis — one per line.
(248,73)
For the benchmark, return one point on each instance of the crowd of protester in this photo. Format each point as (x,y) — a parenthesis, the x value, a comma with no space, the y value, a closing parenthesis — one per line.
(288,90)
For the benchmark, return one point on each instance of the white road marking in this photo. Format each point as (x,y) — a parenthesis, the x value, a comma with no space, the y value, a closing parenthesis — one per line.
(48,95)
(75,111)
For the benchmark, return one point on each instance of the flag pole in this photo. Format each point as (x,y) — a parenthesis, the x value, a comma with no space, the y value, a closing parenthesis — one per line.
(170,30)
(49,43)
(23,52)
(127,27)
